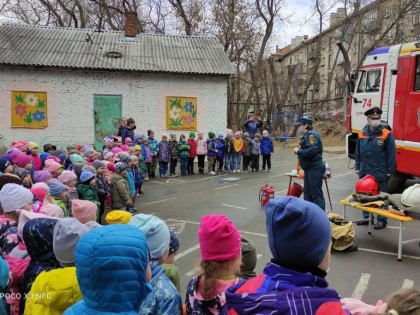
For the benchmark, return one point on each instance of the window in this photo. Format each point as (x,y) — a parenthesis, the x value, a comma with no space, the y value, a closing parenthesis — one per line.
(370,81)
(417,79)
(388,11)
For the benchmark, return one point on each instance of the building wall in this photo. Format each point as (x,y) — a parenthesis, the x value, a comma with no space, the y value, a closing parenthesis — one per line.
(71,94)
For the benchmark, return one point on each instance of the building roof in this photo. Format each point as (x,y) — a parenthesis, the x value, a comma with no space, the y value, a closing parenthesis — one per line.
(29,45)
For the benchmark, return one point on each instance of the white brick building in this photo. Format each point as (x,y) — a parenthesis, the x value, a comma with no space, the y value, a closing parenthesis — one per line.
(72,70)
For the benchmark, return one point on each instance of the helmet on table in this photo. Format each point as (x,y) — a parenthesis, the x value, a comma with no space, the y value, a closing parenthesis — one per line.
(368,186)
(411,196)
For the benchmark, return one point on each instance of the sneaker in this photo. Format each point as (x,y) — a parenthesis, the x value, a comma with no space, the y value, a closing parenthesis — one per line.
(379,225)
(238,171)
(234,171)
(263,170)
(212,173)
(269,170)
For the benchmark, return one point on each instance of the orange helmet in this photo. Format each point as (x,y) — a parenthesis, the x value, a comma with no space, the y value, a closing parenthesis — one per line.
(367,185)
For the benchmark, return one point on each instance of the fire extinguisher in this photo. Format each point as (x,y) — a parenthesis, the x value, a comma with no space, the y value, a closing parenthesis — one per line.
(266,193)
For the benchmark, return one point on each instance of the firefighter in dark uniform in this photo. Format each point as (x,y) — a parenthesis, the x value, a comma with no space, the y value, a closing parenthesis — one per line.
(375,155)
(310,159)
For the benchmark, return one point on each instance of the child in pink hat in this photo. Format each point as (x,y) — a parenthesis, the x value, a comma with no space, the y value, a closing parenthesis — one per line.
(220,246)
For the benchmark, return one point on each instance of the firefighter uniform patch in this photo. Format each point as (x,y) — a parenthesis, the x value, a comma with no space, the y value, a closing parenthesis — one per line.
(311,140)
(381,142)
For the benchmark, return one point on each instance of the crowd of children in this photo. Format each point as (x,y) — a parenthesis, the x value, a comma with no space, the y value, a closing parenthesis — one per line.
(62,253)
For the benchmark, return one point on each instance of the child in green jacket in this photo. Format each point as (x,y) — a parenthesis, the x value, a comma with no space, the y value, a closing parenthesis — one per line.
(184,153)
(86,189)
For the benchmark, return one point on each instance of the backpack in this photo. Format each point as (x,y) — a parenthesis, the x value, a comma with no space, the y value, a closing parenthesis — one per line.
(342,232)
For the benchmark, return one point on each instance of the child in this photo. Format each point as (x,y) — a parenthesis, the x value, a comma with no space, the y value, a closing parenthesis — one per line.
(42,176)
(247,151)
(24,176)
(109,248)
(228,152)
(129,175)
(266,149)
(121,196)
(154,151)
(102,187)
(220,246)
(256,153)
(86,189)
(249,259)
(220,144)
(201,152)
(5,166)
(53,167)
(211,152)
(193,153)
(164,299)
(33,147)
(184,153)
(172,271)
(147,158)
(174,152)
(59,193)
(84,210)
(238,146)
(138,178)
(164,156)
(23,161)
(69,179)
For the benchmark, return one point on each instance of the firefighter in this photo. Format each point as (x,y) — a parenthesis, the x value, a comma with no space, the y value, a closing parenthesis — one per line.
(375,155)
(310,159)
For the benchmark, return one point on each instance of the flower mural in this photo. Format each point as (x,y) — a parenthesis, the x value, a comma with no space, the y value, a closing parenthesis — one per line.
(20,110)
(181,113)
(38,116)
(29,109)
(31,100)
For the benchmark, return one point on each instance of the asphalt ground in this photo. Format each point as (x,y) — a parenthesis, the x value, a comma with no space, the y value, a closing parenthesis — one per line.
(371,273)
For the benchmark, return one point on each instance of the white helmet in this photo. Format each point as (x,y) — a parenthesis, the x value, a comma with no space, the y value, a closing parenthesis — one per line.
(411,196)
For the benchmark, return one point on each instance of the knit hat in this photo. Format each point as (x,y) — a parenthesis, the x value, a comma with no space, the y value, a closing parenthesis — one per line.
(42,186)
(9,179)
(265,133)
(134,159)
(56,188)
(87,151)
(14,196)
(39,193)
(219,134)
(67,176)
(173,243)
(299,232)
(76,158)
(41,176)
(229,131)
(52,158)
(26,216)
(124,147)
(257,135)
(238,133)
(120,166)
(51,210)
(89,168)
(43,156)
(192,134)
(128,140)
(49,146)
(108,140)
(86,176)
(4,163)
(32,145)
(52,166)
(71,147)
(116,150)
(21,159)
(211,135)
(110,167)
(67,233)
(138,137)
(156,232)
(62,157)
(172,135)
(108,155)
(249,259)
(219,238)
(21,145)
(118,217)
(98,164)
(21,172)
(83,210)
(246,135)
(137,148)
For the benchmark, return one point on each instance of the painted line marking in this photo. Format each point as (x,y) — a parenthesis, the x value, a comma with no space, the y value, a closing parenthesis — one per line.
(361,286)
(214,176)
(233,206)
(272,176)
(228,186)
(408,284)
(342,175)
(153,202)
(259,256)
(193,272)
(394,227)
(386,253)
(187,251)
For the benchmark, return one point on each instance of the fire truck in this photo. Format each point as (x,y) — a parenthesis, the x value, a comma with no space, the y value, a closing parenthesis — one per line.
(390,79)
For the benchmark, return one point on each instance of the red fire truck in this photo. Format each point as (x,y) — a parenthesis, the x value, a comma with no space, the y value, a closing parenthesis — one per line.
(390,79)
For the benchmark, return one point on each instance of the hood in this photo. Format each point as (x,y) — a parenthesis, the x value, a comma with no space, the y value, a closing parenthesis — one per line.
(111,267)
(198,305)
(38,238)
(157,271)
(115,178)
(273,291)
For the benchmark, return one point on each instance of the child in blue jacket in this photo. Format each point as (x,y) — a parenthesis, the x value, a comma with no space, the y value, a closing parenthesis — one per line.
(220,144)
(211,152)
(266,149)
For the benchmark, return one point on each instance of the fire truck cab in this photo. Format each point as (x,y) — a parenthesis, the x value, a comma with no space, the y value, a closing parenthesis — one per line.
(390,79)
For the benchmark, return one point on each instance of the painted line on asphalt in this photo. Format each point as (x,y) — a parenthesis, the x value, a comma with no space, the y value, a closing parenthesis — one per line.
(193,272)
(233,206)
(259,256)
(157,201)
(408,284)
(187,251)
(342,175)
(386,253)
(361,286)
(227,186)
(272,176)
(210,177)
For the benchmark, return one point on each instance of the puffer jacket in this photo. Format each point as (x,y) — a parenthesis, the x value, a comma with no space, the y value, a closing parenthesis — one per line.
(154,146)
(164,152)
(247,147)
(184,149)
(120,192)
(201,146)
(107,288)
(266,146)
(174,149)
(53,292)
(4,278)
(8,235)
(164,299)
(88,192)
(211,147)
(193,147)
(220,144)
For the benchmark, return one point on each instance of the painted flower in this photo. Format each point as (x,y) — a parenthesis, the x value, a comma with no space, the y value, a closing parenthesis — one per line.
(189,107)
(31,100)
(175,113)
(187,120)
(20,110)
(38,116)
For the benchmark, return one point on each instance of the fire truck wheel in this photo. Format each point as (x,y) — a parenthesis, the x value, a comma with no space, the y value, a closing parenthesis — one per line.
(396,183)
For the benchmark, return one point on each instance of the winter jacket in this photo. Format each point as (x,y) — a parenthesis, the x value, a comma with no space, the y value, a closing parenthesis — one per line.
(111,265)
(201,146)
(173,274)
(266,146)
(8,235)
(102,186)
(220,144)
(310,152)
(138,178)
(62,205)
(53,292)
(184,149)
(273,291)
(4,278)
(247,147)
(211,147)
(148,154)
(120,192)
(251,126)
(127,132)
(37,162)
(174,149)
(193,147)
(228,148)
(238,145)
(256,147)
(130,180)
(154,146)
(164,299)
(164,153)
(88,192)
